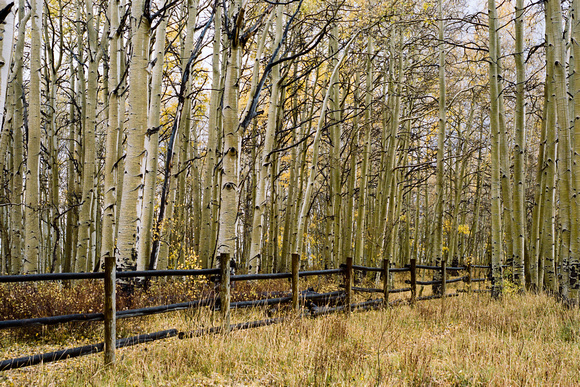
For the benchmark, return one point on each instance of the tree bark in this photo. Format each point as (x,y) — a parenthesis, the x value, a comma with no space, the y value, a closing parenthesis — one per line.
(32,228)
(132,181)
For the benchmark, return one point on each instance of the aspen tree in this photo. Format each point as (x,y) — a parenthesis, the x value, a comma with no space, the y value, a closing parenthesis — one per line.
(273,229)
(308,114)
(460,168)
(356,138)
(554,27)
(184,130)
(121,127)
(548,187)
(506,189)
(32,196)
(128,220)
(72,216)
(110,186)
(496,240)
(438,235)
(163,261)
(152,145)
(390,205)
(574,264)
(291,205)
(519,147)
(194,214)
(229,170)
(54,49)
(334,204)
(265,166)
(537,221)
(7,35)
(362,195)
(89,147)
(80,102)
(5,259)
(315,153)
(18,120)
(208,198)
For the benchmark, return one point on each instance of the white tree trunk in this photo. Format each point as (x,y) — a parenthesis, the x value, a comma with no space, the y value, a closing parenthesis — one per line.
(132,181)
(110,200)
(229,196)
(32,229)
(152,146)
(7,35)
(89,136)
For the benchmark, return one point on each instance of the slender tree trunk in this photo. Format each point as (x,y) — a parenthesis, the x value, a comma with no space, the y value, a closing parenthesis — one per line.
(265,167)
(566,205)
(71,198)
(152,145)
(536,241)
(290,211)
(519,148)
(209,178)
(18,122)
(349,218)
(7,35)
(438,235)
(89,147)
(506,189)
(574,264)
(362,195)
(110,188)
(32,229)
(335,162)
(496,240)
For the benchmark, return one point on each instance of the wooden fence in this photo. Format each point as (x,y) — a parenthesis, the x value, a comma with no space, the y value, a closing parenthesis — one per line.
(336,301)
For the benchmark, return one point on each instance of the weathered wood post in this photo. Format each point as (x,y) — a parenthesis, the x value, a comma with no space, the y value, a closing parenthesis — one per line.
(225,291)
(110,311)
(413,280)
(348,283)
(386,279)
(295,290)
(443,278)
(469,277)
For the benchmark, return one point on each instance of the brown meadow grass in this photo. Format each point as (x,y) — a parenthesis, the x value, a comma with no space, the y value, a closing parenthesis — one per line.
(470,340)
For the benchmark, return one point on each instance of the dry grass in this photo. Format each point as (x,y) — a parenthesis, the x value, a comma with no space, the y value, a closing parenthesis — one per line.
(520,340)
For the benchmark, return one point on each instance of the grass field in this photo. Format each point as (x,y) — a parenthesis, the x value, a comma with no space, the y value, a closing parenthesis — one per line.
(468,340)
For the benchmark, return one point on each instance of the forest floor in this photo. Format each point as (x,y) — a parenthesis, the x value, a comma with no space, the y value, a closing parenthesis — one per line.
(522,339)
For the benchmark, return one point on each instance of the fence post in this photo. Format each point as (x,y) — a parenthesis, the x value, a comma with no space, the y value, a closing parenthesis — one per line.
(110,311)
(413,280)
(386,278)
(225,290)
(348,284)
(443,278)
(469,276)
(295,270)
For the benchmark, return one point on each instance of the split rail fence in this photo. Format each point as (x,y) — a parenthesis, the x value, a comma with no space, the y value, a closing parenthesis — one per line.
(341,300)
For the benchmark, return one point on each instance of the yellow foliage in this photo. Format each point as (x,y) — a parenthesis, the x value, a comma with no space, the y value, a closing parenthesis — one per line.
(463,229)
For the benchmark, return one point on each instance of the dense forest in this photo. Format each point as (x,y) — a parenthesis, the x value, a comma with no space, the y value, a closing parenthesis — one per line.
(166,133)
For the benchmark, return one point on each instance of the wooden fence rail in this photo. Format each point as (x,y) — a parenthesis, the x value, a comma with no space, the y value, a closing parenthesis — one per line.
(101,275)
(221,302)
